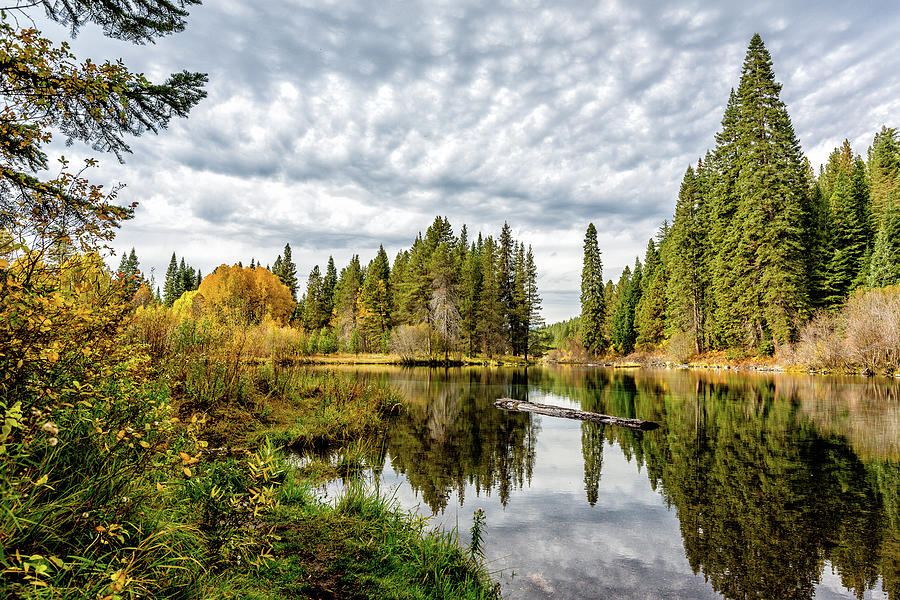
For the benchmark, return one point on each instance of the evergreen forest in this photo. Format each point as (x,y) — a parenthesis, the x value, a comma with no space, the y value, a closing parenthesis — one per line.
(446,296)
(759,243)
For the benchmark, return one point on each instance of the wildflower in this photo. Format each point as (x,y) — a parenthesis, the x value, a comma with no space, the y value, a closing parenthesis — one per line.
(51,428)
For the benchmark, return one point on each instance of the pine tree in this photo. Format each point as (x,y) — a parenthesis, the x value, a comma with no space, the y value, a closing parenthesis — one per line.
(884,174)
(470,297)
(123,265)
(688,259)
(346,293)
(611,300)
(130,273)
(724,229)
(287,271)
(276,267)
(819,237)
(328,284)
(593,301)
(462,248)
(623,334)
(374,304)
(505,266)
(885,266)
(187,277)
(314,317)
(848,242)
(490,309)
(181,278)
(534,321)
(518,310)
(398,281)
(762,271)
(170,286)
(414,289)
(650,314)
(440,232)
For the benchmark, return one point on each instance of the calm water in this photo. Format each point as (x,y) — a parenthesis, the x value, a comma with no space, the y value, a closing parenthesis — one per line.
(754,486)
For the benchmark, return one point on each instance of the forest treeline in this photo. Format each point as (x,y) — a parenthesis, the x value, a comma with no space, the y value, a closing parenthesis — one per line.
(445,295)
(759,242)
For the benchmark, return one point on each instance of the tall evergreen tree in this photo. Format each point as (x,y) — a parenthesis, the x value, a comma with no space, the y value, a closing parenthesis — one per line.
(689,259)
(470,297)
(505,276)
(187,277)
(884,174)
(130,273)
(286,271)
(328,284)
(415,289)
(534,320)
(314,317)
(885,266)
(398,281)
(346,293)
(623,334)
(724,228)
(490,309)
(170,286)
(593,301)
(650,314)
(819,238)
(374,304)
(759,160)
(848,241)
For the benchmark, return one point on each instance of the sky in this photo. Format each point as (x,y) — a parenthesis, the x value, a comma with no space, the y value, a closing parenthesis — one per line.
(337,126)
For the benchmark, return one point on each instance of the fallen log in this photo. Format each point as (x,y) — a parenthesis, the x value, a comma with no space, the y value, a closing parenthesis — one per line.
(571,413)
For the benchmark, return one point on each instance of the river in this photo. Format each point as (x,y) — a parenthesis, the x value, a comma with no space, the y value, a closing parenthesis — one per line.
(772,486)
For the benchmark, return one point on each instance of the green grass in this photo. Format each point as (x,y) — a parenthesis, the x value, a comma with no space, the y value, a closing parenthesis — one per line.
(305,409)
(362,547)
(103,495)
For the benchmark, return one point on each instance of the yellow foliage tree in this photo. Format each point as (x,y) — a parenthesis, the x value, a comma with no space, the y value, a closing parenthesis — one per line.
(246,294)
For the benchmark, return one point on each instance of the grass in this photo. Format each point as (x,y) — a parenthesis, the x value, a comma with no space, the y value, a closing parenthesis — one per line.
(113,484)
(304,409)
(364,546)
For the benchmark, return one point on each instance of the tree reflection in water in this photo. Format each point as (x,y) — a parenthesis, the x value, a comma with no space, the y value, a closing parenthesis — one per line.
(773,477)
(451,435)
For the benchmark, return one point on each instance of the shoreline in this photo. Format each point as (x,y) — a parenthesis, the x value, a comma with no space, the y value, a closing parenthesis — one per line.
(628,362)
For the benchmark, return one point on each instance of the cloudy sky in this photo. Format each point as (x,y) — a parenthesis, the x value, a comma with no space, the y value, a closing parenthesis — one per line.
(339,125)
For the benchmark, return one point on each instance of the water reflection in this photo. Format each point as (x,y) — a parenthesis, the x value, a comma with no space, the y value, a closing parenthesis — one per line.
(452,436)
(775,479)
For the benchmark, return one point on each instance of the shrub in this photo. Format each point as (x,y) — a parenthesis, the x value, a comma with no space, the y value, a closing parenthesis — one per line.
(864,334)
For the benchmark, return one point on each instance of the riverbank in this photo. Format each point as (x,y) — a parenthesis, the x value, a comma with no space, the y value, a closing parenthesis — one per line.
(719,361)
(343,358)
(151,464)
(361,545)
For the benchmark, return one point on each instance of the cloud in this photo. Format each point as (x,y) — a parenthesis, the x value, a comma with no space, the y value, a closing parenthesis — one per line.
(336,125)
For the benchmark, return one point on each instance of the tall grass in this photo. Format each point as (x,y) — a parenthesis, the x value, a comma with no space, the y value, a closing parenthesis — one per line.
(361,546)
(243,378)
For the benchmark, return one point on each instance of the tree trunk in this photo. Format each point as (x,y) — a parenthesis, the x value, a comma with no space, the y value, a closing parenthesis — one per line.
(571,413)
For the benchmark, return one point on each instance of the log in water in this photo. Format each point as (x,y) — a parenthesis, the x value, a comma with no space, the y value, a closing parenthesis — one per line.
(571,413)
